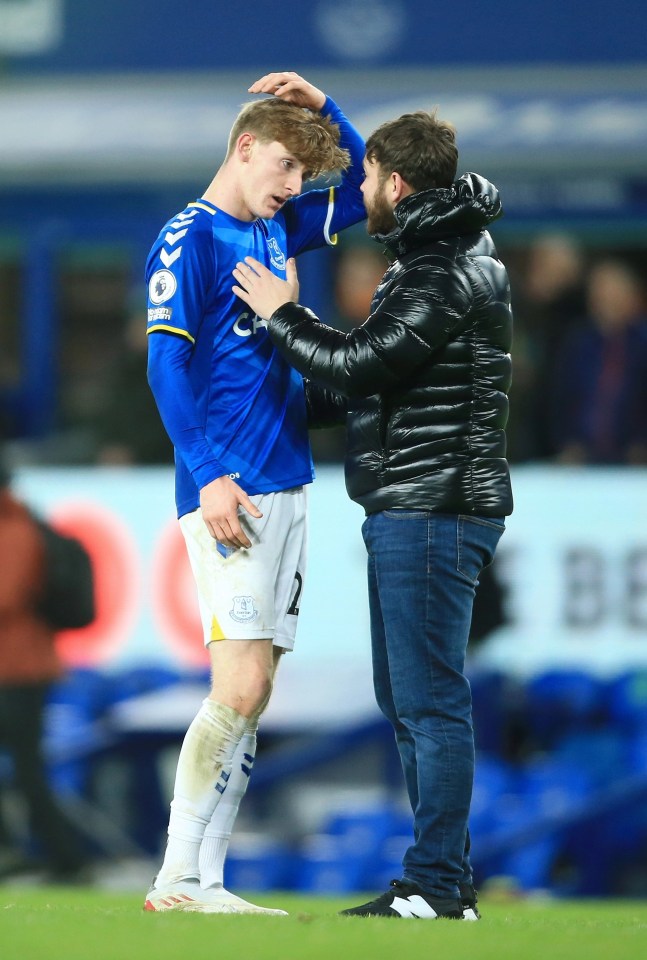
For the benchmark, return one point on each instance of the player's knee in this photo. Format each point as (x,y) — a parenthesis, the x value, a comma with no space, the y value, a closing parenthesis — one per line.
(248,693)
(258,688)
(254,698)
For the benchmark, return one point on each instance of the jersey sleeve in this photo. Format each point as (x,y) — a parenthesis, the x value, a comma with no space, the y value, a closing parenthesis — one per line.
(179,273)
(314,218)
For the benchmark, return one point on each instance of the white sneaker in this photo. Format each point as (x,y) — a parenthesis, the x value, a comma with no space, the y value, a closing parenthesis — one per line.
(189,896)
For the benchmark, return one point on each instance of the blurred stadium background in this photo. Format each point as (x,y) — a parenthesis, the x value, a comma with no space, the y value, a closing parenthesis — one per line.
(112,116)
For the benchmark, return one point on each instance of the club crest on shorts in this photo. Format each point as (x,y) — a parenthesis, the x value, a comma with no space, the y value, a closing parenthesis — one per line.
(243,609)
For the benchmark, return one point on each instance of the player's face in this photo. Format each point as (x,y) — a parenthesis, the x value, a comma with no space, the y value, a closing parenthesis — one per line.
(272,176)
(378,209)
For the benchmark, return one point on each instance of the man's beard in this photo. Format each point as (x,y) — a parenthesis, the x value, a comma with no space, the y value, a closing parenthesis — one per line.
(380,215)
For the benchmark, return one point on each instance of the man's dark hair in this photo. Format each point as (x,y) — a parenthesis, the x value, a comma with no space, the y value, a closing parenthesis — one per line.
(418,146)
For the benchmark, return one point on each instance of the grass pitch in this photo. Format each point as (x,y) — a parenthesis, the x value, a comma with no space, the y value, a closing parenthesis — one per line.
(77,924)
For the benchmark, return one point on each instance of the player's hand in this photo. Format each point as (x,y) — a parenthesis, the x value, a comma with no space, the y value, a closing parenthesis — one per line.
(219,503)
(291,87)
(262,290)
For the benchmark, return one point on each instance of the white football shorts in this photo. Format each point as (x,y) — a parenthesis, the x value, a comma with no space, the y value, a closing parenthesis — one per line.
(252,594)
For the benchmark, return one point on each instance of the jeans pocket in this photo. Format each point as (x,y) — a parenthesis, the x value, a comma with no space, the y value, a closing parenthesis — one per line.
(477,542)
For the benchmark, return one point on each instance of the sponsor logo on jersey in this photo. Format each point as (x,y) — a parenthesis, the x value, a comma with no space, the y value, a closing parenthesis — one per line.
(277,257)
(248,324)
(159,314)
(243,609)
(162,286)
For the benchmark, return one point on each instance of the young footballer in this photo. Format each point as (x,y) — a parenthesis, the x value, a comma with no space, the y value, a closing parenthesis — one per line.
(236,413)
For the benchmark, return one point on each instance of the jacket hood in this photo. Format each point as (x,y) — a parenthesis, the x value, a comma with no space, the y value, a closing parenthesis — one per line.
(468,206)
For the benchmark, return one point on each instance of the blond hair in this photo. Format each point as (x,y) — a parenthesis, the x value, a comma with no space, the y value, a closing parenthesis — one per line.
(312,139)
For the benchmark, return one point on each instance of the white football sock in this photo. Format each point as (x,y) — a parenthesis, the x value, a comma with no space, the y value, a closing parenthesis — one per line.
(215,843)
(203,769)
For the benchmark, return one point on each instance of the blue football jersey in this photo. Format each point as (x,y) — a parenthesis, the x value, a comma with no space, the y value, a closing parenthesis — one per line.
(229,401)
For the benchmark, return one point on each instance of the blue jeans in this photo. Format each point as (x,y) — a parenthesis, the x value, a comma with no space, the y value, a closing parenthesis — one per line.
(423,570)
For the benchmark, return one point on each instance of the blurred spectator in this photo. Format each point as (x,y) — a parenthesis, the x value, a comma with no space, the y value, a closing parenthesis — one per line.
(359,270)
(549,300)
(599,382)
(28,667)
(129,429)
(554,280)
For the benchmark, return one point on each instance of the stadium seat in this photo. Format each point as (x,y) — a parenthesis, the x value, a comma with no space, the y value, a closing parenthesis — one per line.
(628,700)
(141,680)
(387,864)
(493,779)
(532,864)
(491,705)
(559,701)
(348,853)
(364,829)
(73,729)
(327,865)
(516,837)
(256,862)
(552,787)
(602,754)
(637,753)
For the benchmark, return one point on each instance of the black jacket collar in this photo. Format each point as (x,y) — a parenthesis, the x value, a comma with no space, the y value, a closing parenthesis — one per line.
(468,206)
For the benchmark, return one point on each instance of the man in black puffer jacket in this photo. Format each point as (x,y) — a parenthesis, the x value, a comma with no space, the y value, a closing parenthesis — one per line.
(423,385)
